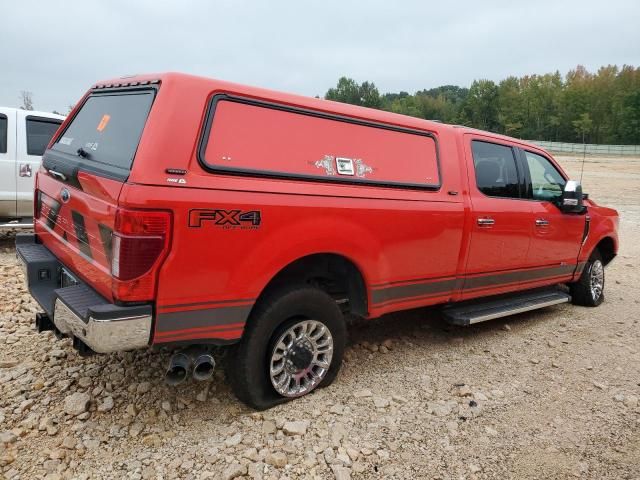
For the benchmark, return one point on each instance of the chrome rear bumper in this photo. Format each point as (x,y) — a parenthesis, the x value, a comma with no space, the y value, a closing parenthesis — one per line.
(78,310)
(104,336)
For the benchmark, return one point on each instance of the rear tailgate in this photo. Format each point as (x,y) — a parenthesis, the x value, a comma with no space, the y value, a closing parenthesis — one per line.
(82,175)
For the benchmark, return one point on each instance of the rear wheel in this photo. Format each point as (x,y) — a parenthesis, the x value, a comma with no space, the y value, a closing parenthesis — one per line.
(589,289)
(293,344)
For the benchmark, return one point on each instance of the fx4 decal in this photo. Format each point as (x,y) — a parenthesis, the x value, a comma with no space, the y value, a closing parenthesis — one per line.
(225,218)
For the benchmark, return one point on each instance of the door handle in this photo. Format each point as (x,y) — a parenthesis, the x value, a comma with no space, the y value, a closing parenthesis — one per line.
(541,222)
(58,175)
(485,222)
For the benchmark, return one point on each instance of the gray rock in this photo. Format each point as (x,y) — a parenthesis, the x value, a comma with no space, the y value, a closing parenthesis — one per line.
(268,427)
(149,473)
(8,363)
(381,402)
(479,396)
(363,393)
(84,382)
(341,473)
(277,459)
(76,403)
(136,429)
(143,387)
(234,470)
(234,440)
(462,391)
(106,405)
(8,437)
(296,428)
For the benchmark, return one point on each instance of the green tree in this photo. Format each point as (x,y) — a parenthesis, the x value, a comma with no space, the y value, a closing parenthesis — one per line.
(629,131)
(510,114)
(583,126)
(349,91)
(603,106)
(480,108)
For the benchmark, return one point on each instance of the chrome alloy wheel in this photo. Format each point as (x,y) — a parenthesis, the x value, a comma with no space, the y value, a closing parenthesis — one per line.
(596,279)
(301,358)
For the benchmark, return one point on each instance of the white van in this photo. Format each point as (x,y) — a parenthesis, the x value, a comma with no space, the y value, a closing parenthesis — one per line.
(24,135)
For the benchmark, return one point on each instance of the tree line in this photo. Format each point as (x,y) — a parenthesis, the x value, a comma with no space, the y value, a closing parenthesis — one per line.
(601,107)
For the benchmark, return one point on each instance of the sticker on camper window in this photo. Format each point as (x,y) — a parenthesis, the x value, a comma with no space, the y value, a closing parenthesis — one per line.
(103,122)
(327,163)
(345,166)
(66,141)
(362,168)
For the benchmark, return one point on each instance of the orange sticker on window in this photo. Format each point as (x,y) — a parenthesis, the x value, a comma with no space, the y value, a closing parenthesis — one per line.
(103,123)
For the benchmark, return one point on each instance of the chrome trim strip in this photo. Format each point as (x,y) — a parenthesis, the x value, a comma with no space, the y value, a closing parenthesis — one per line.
(16,225)
(486,221)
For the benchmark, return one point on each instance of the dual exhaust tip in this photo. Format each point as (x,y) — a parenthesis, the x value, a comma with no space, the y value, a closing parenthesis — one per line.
(197,362)
(194,361)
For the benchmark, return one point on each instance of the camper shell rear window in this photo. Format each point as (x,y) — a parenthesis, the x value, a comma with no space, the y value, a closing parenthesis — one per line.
(107,128)
(248,137)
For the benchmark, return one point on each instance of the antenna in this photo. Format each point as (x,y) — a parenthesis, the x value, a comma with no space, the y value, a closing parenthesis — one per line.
(584,156)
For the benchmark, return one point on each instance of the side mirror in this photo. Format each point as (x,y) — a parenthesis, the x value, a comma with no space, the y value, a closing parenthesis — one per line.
(571,200)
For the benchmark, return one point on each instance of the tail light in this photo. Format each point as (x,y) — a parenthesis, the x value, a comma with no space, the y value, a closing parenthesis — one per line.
(140,242)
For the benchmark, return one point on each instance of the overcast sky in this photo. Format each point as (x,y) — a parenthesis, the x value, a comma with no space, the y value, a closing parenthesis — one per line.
(57,49)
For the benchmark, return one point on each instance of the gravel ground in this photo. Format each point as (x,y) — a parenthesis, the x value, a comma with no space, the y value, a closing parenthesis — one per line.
(547,394)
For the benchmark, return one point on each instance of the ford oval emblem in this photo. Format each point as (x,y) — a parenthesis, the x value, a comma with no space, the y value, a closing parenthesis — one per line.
(65,195)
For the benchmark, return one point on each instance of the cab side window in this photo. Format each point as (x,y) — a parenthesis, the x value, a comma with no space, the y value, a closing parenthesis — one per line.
(496,170)
(546,182)
(39,132)
(3,133)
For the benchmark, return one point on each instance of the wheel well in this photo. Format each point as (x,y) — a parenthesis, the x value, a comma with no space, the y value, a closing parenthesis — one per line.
(607,249)
(334,274)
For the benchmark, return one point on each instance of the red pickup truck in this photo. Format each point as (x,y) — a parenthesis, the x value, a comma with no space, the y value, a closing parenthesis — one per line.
(188,212)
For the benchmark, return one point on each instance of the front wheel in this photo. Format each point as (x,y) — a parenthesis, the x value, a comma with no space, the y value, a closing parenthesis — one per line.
(589,289)
(293,343)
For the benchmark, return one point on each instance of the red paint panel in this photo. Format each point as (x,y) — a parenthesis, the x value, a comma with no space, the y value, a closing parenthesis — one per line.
(95,205)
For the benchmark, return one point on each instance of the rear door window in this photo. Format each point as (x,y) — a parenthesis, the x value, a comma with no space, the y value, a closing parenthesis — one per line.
(249,137)
(107,129)
(496,170)
(39,133)
(3,133)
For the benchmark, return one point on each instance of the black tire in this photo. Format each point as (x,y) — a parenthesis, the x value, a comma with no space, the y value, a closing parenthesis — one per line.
(247,362)
(582,292)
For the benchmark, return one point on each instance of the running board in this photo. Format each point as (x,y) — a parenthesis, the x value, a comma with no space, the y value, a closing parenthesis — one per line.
(477,311)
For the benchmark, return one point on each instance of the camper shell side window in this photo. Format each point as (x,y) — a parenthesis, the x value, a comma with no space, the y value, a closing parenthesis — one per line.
(253,138)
